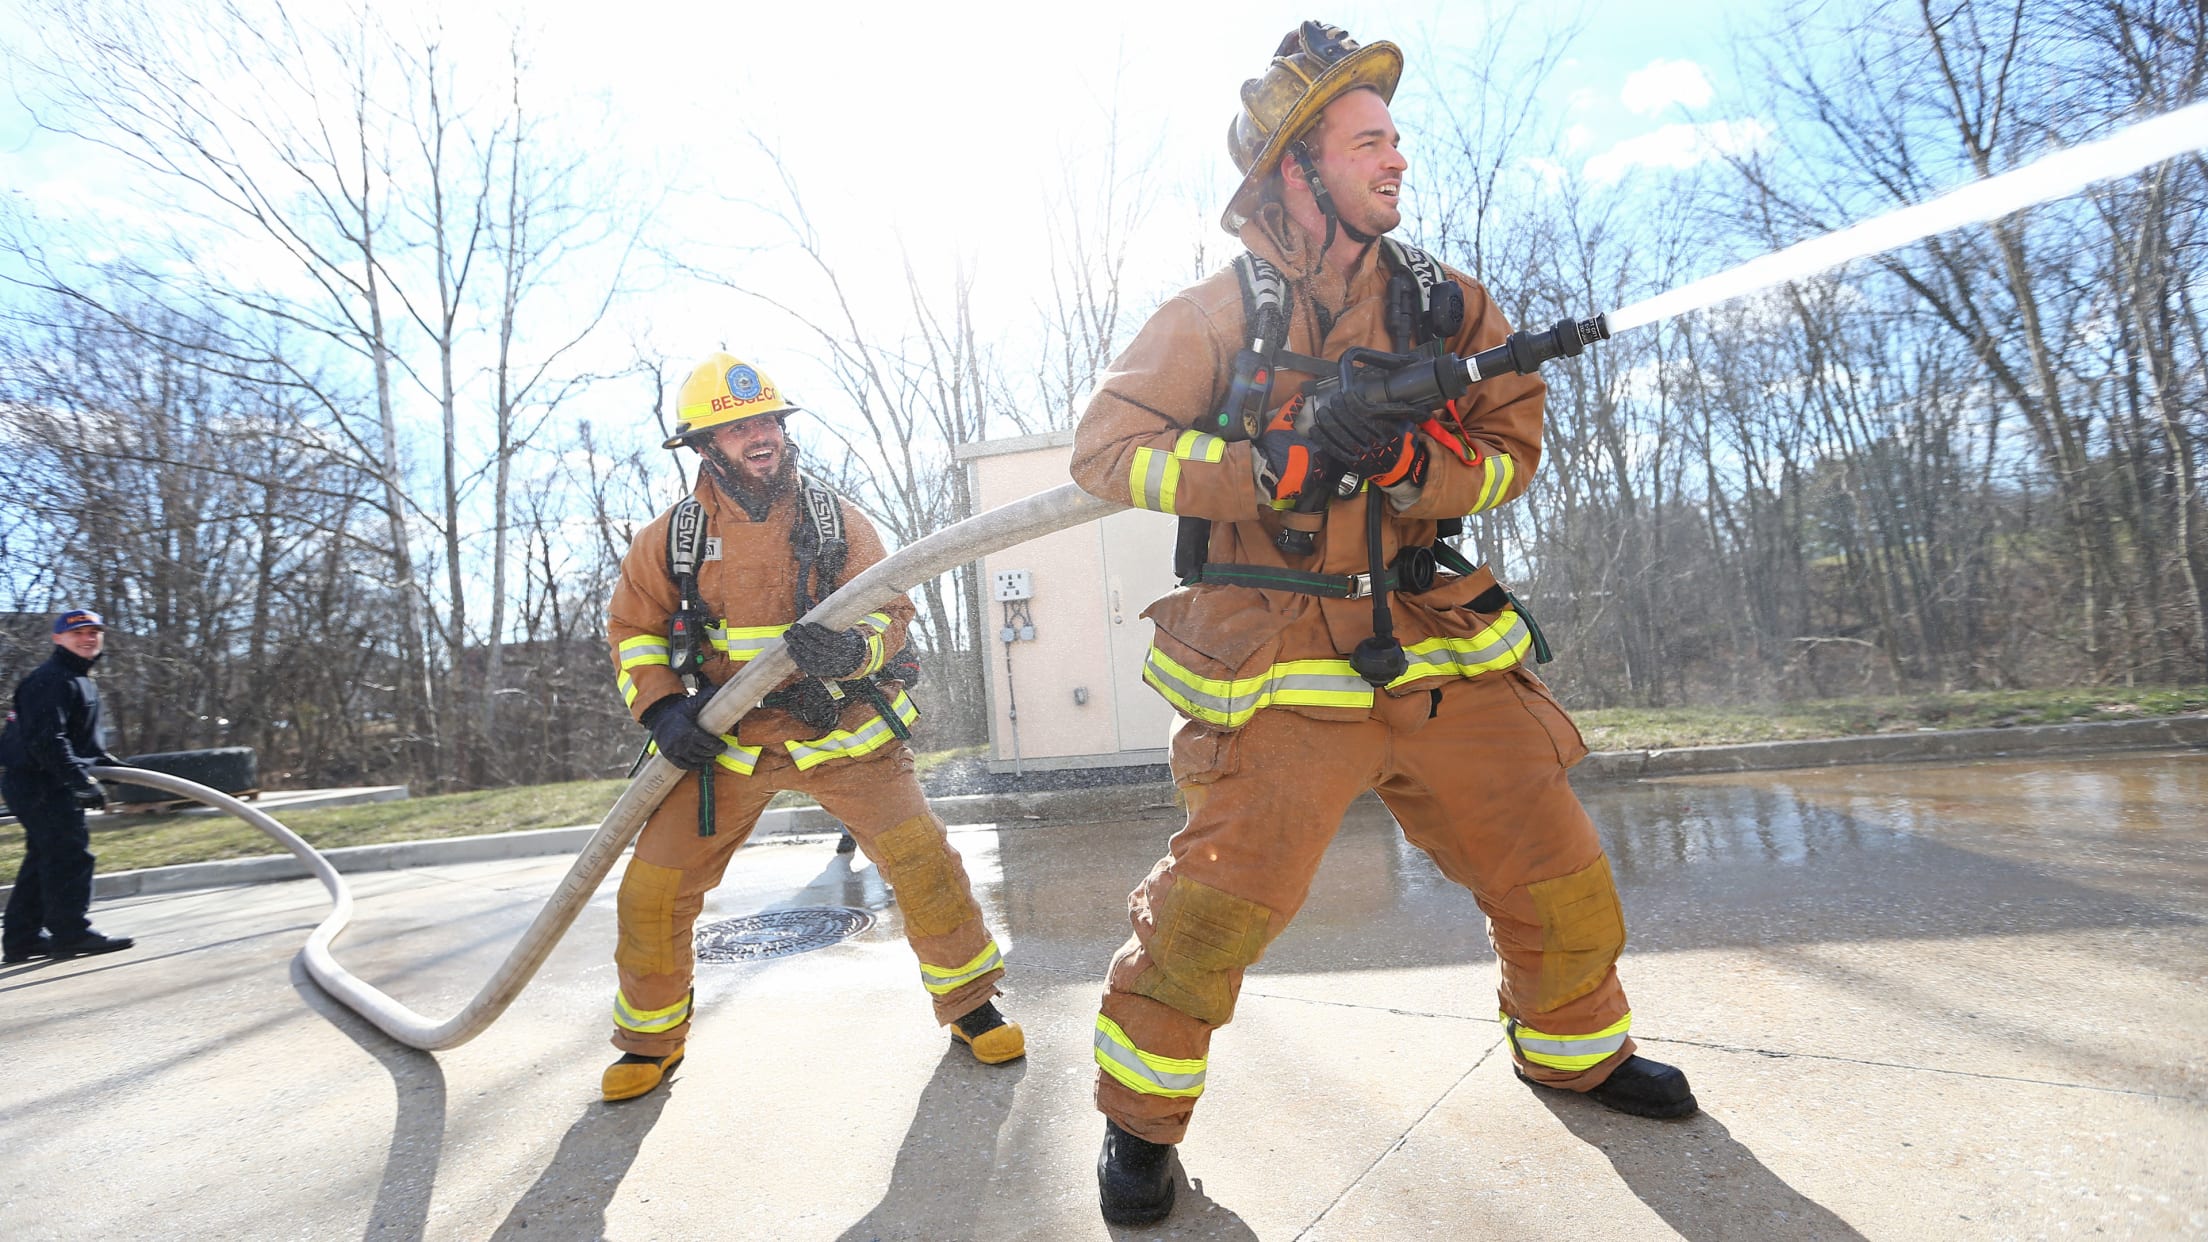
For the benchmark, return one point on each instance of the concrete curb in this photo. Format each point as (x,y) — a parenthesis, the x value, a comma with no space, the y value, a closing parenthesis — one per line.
(2158,733)
(1150,798)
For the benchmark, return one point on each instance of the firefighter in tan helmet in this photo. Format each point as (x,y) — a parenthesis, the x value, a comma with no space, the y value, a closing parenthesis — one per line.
(706,586)
(1310,663)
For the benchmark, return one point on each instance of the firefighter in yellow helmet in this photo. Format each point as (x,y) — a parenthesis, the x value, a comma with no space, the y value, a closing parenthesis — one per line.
(707,585)
(1303,677)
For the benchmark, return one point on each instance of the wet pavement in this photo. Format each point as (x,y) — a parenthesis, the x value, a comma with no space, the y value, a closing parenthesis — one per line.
(1958,1001)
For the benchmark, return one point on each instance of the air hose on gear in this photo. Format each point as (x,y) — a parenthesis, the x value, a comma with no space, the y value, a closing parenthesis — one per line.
(1061,507)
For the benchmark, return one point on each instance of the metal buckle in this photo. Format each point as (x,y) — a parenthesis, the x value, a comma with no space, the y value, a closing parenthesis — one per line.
(1360,586)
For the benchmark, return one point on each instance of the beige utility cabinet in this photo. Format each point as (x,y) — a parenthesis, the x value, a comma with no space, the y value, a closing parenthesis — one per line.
(1073,668)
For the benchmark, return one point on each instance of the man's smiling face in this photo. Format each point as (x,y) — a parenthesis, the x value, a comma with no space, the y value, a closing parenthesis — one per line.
(756,446)
(1360,159)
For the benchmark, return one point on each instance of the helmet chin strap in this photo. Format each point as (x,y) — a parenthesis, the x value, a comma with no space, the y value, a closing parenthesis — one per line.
(1324,199)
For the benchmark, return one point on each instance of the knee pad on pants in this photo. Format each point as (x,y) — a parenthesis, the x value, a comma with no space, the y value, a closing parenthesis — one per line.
(1200,936)
(915,857)
(647,912)
(1582,933)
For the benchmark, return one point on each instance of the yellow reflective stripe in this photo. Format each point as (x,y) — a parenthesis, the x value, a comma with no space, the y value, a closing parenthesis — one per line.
(742,642)
(1144,1072)
(1499,646)
(1196,446)
(642,650)
(1496,474)
(1152,479)
(649,1021)
(942,982)
(1571,1053)
(1229,703)
(852,743)
(876,626)
(628,687)
(1154,476)
(737,757)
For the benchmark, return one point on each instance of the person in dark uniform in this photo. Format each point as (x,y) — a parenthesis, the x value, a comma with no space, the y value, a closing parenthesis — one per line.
(50,744)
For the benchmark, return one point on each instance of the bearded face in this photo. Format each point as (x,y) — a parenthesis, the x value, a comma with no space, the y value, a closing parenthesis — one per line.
(752,462)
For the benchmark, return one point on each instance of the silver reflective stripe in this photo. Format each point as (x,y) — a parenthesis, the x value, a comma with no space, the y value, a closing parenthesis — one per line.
(1308,688)
(1595,1046)
(649,1022)
(1157,464)
(741,647)
(939,981)
(1450,658)
(1196,446)
(634,653)
(1123,1061)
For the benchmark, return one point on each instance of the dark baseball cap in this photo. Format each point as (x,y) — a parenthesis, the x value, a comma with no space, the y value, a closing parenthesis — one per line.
(78,619)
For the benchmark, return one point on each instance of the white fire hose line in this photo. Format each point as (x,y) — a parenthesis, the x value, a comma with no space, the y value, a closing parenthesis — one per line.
(1041,514)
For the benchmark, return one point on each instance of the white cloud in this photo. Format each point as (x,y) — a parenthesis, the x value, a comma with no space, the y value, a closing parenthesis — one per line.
(1678,146)
(1656,86)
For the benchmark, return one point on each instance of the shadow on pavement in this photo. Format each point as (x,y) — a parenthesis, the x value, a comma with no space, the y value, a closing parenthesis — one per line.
(948,1162)
(1695,1175)
(417,1131)
(1195,1215)
(569,1198)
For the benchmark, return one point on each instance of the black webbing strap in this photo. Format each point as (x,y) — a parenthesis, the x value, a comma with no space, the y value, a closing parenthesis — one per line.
(1453,561)
(1301,582)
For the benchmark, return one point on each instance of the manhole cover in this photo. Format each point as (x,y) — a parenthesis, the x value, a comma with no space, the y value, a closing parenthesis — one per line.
(779,933)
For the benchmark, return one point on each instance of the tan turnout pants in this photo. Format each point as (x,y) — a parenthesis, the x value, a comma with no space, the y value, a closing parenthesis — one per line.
(1475,774)
(879,800)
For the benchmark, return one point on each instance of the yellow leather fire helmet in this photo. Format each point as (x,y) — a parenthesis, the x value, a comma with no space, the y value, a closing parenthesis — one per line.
(723,389)
(1315,65)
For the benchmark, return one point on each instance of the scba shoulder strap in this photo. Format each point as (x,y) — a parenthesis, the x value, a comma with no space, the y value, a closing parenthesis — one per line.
(1425,309)
(817,541)
(820,548)
(685,549)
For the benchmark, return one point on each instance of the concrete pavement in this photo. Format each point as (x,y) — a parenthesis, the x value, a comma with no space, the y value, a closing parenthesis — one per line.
(1940,1000)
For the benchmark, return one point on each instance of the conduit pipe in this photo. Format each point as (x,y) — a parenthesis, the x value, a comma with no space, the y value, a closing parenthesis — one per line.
(999,528)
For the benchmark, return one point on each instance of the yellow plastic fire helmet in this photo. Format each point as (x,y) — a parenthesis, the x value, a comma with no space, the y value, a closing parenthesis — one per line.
(723,389)
(1314,66)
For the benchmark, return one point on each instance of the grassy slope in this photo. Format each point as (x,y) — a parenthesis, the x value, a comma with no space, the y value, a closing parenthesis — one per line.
(124,843)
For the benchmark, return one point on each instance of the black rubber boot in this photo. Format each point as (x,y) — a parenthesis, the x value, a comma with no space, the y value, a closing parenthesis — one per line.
(1638,1086)
(1134,1178)
(847,844)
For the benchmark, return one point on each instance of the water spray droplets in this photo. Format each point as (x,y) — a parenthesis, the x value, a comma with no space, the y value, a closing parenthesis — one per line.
(2058,174)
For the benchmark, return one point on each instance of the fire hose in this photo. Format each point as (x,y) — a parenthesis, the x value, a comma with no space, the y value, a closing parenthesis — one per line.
(1041,514)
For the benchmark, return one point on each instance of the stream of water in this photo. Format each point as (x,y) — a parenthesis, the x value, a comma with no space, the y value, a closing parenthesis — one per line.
(2057,174)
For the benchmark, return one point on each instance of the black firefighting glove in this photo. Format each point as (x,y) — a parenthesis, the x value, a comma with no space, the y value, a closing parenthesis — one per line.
(676,731)
(809,701)
(822,652)
(1346,435)
(1397,465)
(904,667)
